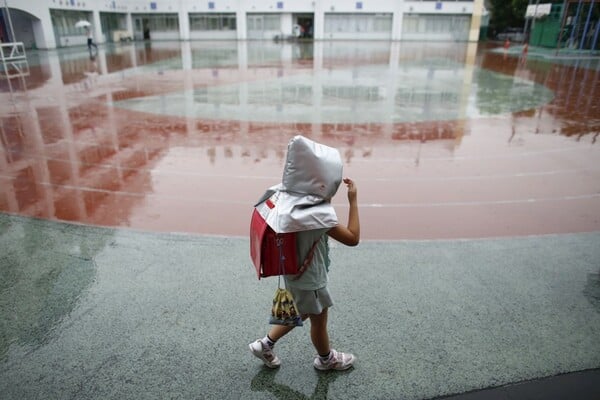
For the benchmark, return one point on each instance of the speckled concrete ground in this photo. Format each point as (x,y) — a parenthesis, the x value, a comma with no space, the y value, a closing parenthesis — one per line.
(101,313)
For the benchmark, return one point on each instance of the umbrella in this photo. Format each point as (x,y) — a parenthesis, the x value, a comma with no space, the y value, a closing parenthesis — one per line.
(82,24)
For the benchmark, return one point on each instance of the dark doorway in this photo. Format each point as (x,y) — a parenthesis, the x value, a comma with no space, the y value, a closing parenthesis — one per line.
(3,31)
(146,26)
(306,23)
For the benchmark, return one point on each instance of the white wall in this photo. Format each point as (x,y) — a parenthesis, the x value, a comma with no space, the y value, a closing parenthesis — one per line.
(184,26)
(42,24)
(448,7)
(78,40)
(287,24)
(368,6)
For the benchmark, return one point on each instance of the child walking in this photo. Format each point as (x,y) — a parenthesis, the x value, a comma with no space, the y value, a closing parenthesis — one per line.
(303,176)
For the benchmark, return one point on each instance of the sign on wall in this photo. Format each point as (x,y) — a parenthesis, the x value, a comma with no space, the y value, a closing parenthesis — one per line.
(538,11)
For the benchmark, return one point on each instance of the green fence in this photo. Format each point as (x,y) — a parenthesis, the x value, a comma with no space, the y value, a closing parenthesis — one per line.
(546,30)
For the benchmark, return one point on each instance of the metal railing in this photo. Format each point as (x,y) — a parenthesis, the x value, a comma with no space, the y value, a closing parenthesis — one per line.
(13,60)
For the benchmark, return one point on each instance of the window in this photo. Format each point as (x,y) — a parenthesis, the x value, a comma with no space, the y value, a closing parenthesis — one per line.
(212,22)
(64,21)
(160,22)
(272,22)
(457,25)
(352,23)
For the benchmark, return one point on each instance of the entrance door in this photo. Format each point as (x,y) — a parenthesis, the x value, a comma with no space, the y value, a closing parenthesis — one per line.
(146,26)
(255,26)
(138,32)
(306,22)
(141,28)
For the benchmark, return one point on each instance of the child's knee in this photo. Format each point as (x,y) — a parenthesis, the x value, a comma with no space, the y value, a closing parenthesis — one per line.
(319,318)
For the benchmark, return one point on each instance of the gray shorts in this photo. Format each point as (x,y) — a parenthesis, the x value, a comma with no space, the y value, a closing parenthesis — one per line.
(311,301)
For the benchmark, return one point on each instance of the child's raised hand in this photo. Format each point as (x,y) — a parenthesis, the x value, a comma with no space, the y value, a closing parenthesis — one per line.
(350,234)
(352,191)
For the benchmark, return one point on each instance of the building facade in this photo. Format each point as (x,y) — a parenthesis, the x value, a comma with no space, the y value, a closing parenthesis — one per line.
(47,24)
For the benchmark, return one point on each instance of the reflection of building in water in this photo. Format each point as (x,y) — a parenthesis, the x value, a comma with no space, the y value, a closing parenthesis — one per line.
(350,87)
(573,111)
(74,171)
(576,104)
(378,88)
(73,152)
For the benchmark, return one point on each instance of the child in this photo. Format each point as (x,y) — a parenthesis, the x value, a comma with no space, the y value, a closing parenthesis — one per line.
(310,292)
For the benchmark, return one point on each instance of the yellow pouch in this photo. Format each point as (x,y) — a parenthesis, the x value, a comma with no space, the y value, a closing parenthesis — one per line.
(284,310)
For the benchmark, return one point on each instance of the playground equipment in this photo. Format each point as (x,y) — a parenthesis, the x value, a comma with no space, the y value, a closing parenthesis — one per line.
(13,60)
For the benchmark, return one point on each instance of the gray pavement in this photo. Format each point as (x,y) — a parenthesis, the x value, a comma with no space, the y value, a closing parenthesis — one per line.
(94,313)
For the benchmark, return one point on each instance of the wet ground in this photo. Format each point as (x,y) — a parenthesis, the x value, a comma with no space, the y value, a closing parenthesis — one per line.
(445,140)
(479,194)
(100,313)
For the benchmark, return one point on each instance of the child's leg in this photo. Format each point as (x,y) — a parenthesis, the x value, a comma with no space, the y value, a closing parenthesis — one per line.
(279,331)
(263,348)
(328,358)
(318,332)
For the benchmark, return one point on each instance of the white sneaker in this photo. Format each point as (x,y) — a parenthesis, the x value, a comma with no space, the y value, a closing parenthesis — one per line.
(265,354)
(338,361)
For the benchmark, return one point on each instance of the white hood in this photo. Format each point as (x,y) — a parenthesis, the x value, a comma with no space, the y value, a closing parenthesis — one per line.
(312,175)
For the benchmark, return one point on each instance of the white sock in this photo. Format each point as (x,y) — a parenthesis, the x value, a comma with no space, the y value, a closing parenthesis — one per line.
(326,358)
(267,342)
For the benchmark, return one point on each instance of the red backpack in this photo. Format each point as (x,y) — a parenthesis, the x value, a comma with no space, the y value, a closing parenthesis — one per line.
(275,253)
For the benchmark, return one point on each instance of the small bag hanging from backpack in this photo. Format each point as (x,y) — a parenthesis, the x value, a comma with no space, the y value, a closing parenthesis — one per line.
(284,310)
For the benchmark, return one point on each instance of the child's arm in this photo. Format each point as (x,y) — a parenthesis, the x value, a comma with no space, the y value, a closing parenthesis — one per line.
(348,235)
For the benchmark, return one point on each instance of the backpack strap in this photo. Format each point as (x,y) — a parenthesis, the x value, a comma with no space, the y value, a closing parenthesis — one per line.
(307,260)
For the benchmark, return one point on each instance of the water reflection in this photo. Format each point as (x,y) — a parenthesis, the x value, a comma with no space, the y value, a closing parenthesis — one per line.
(338,82)
(427,91)
(120,139)
(574,109)
(43,278)
(264,381)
